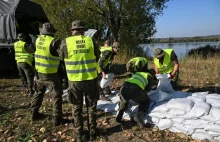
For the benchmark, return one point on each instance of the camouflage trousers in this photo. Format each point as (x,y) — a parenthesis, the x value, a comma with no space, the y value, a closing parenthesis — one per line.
(26,72)
(173,81)
(78,90)
(52,83)
(130,91)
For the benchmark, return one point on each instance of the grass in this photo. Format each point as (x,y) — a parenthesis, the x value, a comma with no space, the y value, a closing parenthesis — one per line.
(196,74)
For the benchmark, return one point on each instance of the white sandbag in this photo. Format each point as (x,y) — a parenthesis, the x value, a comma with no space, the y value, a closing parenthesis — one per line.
(151,120)
(188,130)
(159,107)
(102,103)
(115,99)
(175,130)
(157,115)
(198,110)
(159,96)
(179,94)
(200,131)
(110,107)
(164,124)
(213,116)
(213,96)
(213,127)
(202,136)
(215,134)
(178,120)
(196,99)
(196,123)
(105,82)
(173,113)
(218,122)
(180,104)
(164,83)
(217,139)
(200,94)
(214,102)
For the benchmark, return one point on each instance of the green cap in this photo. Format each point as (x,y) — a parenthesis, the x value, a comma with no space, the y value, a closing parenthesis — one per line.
(47,28)
(77,24)
(158,53)
(21,36)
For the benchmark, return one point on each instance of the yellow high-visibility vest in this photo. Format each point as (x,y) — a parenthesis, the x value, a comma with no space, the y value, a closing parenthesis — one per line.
(81,62)
(106,62)
(21,55)
(139,78)
(167,65)
(136,60)
(44,61)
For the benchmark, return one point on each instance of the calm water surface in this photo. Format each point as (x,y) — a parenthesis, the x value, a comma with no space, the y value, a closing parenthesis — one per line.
(181,49)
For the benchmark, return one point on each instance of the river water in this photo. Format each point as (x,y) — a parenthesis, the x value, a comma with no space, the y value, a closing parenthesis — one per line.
(181,49)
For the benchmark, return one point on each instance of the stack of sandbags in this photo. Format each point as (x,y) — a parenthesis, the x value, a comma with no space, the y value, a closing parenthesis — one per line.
(196,114)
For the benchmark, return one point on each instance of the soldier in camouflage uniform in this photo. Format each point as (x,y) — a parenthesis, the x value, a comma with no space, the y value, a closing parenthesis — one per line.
(80,55)
(166,62)
(135,88)
(137,64)
(104,65)
(46,64)
(24,59)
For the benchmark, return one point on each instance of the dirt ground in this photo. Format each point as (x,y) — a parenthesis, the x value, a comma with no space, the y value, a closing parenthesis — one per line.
(16,126)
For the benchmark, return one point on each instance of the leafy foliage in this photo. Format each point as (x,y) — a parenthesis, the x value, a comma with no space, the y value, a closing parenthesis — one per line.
(129,21)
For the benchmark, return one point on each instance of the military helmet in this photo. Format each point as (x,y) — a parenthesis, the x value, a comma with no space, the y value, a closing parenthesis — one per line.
(21,36)
(47,28)
(77,24)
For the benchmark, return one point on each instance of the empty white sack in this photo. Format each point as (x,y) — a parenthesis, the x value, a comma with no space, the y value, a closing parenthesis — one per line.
(159,96)
(164,83)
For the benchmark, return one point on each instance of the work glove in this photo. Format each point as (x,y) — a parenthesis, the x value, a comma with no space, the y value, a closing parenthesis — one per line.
(171,76)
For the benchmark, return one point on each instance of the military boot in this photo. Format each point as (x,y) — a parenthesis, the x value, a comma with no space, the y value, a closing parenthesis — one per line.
(57,120)
(36,115)
(92,136)
(139,120)
(119,116)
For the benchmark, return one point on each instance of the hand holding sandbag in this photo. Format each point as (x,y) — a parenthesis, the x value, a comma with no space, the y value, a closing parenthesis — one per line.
(105,82)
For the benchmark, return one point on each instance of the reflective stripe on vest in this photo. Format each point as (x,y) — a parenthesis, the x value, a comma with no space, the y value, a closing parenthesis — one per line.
(167,65)
(139,78)
(44,61)
(81,62)
(21,55)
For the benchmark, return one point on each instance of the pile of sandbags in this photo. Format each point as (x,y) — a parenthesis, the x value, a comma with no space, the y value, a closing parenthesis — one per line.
(196,114)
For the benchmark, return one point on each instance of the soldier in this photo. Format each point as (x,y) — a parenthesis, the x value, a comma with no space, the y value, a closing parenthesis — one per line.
(137,64)
(105,61)
(80,55)
(46,64)
(166,62)
(135,88)
(24,59)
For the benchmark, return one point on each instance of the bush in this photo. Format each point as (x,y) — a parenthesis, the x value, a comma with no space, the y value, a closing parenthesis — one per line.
(205,51)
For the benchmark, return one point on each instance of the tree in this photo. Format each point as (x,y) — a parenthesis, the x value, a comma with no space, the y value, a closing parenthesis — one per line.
(131,22)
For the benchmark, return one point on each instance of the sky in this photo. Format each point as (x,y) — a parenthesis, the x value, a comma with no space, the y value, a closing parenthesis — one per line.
(188,18)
